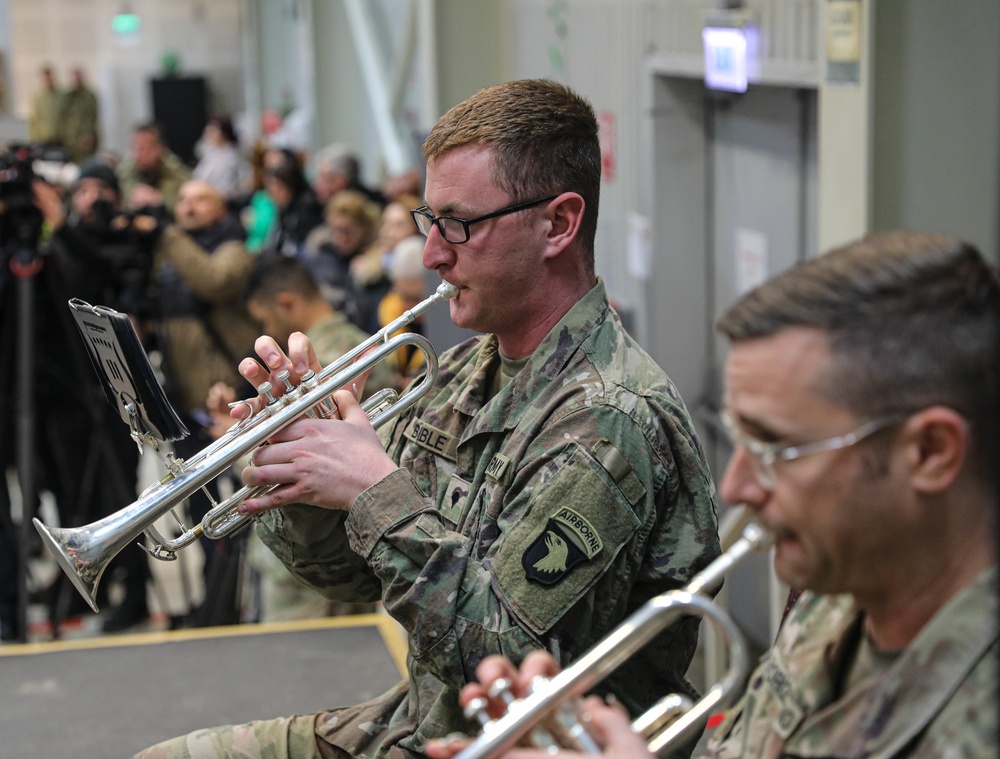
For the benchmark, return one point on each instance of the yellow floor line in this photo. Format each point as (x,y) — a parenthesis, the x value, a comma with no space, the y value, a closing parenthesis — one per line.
(380,621)
(394,637)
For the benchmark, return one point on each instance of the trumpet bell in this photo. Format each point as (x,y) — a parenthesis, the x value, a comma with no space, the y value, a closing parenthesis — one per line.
(82,559)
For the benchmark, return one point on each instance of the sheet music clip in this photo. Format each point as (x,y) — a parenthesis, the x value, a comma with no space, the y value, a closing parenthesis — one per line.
(126,375)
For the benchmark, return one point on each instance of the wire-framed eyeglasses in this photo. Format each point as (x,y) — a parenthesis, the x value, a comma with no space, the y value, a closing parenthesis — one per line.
(763,455)
(455,230)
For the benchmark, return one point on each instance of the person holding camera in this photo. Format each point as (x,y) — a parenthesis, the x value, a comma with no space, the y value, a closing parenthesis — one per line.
(152,174)
(203,329)
(96,254)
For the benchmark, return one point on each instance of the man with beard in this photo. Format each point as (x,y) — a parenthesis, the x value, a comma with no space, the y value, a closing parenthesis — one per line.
(203,328)
(152,174)
(861,401)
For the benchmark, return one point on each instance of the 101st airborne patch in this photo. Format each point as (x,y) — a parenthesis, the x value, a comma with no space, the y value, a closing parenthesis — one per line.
(567,540)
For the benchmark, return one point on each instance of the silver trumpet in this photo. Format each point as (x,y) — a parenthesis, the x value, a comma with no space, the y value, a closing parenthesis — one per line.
(547,718)
(84,552)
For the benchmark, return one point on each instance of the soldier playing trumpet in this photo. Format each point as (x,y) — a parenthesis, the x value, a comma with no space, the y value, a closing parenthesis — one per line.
(554,429)
(861,400)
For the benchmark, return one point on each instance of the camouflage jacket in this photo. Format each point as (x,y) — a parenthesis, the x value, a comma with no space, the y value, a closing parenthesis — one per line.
(193,279)
(937,700)
(43,122)
(78,126)
(538,519)
(168,178)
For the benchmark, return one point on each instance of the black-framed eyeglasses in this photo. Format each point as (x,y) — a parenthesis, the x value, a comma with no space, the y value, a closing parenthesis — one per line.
(455,230)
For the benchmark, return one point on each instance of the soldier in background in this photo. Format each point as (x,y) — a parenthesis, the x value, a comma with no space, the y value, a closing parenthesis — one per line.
(78,127)
(43,120)
(152,174)
(284,297)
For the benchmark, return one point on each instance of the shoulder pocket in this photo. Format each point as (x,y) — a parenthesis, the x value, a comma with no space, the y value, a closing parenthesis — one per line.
(578,522)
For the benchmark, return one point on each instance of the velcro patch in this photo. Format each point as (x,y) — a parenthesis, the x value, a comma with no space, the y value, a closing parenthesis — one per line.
(540,598)
(438,441)
(790,714)
(454,503)
(618,468)
(497,467)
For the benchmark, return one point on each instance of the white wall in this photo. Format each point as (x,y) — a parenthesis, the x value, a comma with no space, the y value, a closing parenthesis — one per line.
(70,33)
(327,54)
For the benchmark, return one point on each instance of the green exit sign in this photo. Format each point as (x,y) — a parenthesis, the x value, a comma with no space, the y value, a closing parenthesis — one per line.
(126,23)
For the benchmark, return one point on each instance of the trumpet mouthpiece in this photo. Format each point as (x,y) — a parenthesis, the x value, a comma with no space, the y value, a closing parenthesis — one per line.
(447,290)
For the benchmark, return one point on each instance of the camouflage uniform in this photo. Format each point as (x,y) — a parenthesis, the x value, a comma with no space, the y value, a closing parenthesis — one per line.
(43,121)
(537,520)
(78,123)
(937,699)
(167,178)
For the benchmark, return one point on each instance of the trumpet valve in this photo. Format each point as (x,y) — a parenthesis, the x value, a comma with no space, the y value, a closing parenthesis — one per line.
(476,709)
(567,728)
(501,689)
(265,390)
(379,402)
(285,377)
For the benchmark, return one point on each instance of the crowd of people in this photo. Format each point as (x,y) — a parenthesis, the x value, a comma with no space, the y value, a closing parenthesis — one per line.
(552,480)
(183,249)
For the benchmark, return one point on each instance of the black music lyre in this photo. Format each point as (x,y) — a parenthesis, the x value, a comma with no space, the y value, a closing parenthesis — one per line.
(126,374)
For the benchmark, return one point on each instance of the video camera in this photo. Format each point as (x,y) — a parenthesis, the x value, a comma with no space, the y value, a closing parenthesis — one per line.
(125,239)
(20,165)
(20,220)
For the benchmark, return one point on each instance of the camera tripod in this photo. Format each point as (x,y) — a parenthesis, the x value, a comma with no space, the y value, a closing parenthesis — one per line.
(63,430)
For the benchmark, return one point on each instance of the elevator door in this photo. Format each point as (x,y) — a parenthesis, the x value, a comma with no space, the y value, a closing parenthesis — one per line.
(760,179)
(734,199)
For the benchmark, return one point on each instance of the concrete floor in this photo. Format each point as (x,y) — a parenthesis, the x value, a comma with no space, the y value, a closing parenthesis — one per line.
(114,695)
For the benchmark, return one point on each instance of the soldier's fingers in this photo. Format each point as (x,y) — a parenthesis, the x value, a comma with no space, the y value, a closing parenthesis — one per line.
(302,354)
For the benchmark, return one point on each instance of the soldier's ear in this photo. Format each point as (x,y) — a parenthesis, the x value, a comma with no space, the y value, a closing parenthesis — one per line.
(565,215)
(937,445)
(285,301)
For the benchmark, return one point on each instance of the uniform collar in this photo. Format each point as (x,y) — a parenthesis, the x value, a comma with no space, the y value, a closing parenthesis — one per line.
(546,363)
(919,684)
